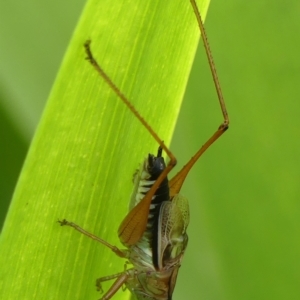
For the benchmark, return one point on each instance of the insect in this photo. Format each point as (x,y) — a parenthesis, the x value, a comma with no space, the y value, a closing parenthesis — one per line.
(154,230)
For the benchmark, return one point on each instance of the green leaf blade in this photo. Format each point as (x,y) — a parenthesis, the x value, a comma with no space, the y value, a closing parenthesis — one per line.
(88,145)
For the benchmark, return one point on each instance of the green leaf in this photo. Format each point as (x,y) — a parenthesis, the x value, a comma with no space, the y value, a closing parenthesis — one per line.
(88,144)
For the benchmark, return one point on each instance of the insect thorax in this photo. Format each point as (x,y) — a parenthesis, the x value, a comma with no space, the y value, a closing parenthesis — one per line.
(157,255)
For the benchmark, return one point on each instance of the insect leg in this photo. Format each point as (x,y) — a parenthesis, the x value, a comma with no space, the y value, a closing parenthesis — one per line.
(121,279)
(134,225)
(120,253)
(211,65)
(177,181)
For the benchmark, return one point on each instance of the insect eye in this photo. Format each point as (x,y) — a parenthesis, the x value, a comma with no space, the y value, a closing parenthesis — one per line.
(155,165)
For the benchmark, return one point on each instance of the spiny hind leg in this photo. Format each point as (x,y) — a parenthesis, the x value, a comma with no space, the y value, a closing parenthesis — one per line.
(177,181)
(133,226)
(101,72)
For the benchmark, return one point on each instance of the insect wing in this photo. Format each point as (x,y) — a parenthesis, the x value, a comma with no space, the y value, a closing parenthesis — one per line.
(172,237)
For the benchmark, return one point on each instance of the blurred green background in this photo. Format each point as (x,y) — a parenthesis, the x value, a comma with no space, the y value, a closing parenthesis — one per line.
(244,193)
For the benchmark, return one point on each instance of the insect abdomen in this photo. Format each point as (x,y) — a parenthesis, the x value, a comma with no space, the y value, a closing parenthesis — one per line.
(151,169)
